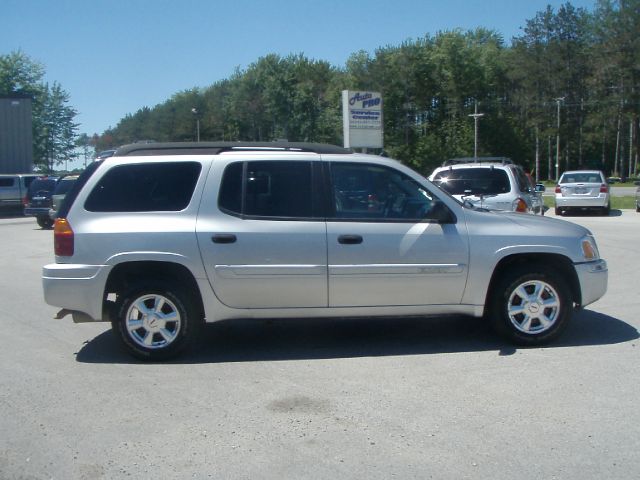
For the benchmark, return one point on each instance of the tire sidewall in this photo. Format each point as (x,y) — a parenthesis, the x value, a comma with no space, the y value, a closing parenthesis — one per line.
(189,321)
(506,286)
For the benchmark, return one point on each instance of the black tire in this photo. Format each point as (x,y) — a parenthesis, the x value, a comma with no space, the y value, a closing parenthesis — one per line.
(171,323)
(44,222)
(540,317)
(606,210)
(558,211)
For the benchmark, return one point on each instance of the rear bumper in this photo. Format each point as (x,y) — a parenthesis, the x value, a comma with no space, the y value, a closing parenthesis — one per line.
(79,288)
(593,278)
(37,211)
(600,201)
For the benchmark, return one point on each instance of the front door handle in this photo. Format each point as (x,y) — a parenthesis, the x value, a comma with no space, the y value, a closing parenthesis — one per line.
(350,239)
(224,238)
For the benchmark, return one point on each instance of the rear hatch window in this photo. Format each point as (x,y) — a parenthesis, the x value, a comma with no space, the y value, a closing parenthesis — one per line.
(473,181)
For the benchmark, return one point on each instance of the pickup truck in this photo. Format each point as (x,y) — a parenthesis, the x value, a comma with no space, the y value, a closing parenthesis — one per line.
(13,189)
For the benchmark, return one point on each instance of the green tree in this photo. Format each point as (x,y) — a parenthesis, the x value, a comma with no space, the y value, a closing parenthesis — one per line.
(57,140)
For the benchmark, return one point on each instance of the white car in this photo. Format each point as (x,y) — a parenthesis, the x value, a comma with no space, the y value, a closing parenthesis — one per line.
(494,184)
(582,190)
(161,238)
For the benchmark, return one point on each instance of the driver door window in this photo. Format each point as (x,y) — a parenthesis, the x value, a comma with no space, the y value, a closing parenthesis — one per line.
(375,193)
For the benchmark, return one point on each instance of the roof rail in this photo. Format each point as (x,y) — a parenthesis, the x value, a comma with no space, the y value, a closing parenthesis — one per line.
(215,148)
(501,160)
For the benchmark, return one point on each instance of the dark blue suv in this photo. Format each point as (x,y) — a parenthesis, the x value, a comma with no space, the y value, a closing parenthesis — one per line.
(38,200)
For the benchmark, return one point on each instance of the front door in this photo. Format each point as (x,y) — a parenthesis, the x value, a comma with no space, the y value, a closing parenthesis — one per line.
(384,247)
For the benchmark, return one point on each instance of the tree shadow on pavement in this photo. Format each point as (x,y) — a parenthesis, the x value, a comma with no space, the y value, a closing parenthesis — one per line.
(305,339)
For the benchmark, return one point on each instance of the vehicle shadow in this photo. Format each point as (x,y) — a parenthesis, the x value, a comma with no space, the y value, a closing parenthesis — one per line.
(306,339)
(589,213)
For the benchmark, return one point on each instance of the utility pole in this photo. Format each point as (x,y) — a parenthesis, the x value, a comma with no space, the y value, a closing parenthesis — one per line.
(194,110)
(475,116)
(558,100)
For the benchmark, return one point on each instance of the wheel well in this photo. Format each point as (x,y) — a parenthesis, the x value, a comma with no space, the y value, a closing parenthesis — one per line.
(124,275)
(559,263)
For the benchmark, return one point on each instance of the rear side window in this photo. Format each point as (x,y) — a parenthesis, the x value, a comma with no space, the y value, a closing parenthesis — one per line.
(145,187)
(267,189)
(6,182)
(473,181)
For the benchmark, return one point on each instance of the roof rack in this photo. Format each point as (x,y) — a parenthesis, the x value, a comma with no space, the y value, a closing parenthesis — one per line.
(215,148)
(455,161)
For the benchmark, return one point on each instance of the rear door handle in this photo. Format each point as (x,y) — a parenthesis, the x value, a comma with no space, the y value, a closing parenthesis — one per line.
(224,238)
(350,239)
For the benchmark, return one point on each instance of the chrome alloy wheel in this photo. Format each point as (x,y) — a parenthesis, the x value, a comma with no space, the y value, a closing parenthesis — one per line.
(153,321)
(533,307)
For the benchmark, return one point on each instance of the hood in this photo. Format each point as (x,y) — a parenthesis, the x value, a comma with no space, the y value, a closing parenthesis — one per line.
(531,225)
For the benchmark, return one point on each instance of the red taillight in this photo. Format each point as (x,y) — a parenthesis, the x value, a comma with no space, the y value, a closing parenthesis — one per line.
(25,201)
(558,190)
(521,206)
(63,238)
(604,188)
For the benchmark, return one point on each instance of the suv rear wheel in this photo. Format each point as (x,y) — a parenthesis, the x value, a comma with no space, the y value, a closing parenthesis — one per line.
(531,306)
(156,322)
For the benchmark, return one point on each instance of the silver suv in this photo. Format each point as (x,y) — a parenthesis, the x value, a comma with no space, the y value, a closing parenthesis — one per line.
(161,238)
(494,183)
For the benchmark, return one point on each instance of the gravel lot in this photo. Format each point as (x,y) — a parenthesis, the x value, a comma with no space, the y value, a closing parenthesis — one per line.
(350,399)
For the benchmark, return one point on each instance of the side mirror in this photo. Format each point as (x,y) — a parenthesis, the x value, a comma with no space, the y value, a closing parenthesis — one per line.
(441,213)
(540,187)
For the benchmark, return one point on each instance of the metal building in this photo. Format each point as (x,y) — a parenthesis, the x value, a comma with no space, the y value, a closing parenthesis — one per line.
(16,134)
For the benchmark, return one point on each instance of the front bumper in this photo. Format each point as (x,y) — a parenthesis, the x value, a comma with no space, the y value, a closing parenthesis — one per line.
(593,278)
(78,288)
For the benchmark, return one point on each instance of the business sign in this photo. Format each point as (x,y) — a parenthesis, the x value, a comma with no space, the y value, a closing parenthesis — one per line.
(362,119)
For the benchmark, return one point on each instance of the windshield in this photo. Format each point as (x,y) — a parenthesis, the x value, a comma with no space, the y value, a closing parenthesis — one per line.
(473,181)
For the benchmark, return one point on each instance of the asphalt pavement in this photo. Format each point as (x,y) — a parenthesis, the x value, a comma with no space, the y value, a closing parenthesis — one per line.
(439,398)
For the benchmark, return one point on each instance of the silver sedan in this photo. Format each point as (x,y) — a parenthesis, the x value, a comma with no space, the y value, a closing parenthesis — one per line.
(582,190)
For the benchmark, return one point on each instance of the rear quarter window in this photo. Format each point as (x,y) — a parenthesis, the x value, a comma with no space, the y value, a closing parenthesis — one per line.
(145,187)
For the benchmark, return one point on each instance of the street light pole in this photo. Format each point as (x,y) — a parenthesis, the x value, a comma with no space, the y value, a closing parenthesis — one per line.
(558,100)
(194,110)
(475,116)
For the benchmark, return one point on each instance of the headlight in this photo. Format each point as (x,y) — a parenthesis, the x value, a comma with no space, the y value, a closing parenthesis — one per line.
(589,248)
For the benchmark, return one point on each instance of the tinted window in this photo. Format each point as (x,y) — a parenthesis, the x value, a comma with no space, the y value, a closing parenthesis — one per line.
(473,181)
(230,197)
(374,192)
(64,186)
(6,182)
(267,189)
(147,187)
(42,185)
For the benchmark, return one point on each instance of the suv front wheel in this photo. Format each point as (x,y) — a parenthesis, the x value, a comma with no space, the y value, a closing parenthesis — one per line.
(531,306)
(156,322)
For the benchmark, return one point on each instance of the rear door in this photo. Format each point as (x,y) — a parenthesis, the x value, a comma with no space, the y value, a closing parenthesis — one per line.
(261,234)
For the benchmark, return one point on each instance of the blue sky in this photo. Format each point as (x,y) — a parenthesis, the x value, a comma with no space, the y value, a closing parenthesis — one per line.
(115,57)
